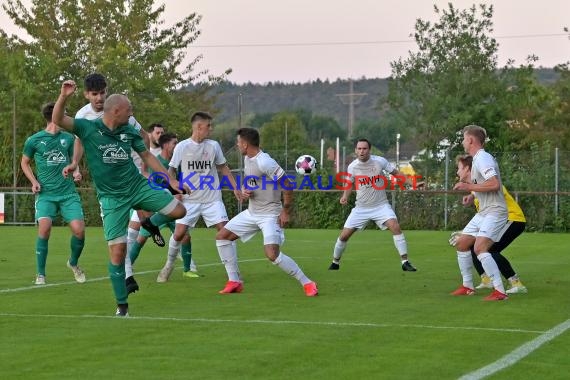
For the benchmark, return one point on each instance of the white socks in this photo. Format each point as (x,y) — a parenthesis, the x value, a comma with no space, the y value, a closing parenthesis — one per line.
(228,255)
(132,235)
(339,248)
(290,267)
(401,245)
(173,249)
(492,270)
(465,264)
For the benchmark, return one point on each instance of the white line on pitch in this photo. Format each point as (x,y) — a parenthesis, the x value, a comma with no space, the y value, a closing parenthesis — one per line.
(24,288)
(273,322)
(518,354)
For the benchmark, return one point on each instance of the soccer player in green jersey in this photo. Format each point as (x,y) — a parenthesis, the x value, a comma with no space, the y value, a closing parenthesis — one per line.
(108,143)
(166,142)
(52,150)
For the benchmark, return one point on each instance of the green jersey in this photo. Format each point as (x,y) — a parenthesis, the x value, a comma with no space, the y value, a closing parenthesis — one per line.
(108,154)
(51,152)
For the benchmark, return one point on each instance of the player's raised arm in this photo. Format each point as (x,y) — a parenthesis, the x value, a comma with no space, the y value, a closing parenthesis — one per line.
(58,116)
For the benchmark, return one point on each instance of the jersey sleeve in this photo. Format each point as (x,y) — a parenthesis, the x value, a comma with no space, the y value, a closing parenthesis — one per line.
(270,167)
(350,171)
(219,158)
(138,142)
(80,127)
(29,148)
(486,166)
(176,156)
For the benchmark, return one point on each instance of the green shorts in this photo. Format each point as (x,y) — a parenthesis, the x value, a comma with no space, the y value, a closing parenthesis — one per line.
(68,205)
(115,211)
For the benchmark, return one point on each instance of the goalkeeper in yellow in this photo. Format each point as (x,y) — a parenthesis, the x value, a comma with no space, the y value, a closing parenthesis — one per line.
(514,227)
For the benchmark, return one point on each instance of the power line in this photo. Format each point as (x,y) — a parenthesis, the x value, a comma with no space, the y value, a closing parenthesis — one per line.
(352,43)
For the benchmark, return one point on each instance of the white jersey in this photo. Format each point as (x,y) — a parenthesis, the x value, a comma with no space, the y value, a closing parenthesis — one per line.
(263,175)
(196,165)
(87,112)
(484,168)
(370,180)
(155,151)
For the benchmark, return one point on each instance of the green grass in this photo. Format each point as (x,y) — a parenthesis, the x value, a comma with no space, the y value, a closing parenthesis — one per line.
(371,320)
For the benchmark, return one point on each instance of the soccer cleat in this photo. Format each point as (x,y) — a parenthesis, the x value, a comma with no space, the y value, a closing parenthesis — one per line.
(122,310)
(77,272)
(334,266)
(154,232)
(190,274)
(311,289)
(40,280)
(517,287)
(232,287)
(408,267)
(131,285)
(496,296)
(485,282)
(165,273)
(463,291)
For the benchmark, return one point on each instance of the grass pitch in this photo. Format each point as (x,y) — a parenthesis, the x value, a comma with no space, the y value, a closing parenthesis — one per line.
(370,321)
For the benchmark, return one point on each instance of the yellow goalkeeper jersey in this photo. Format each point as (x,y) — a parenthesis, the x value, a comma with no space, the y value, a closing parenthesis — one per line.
(515,212)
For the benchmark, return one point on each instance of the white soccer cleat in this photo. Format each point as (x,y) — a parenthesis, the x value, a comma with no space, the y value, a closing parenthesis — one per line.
(517,287)
(40,280)
(165,273)
(77,273)
(486,282)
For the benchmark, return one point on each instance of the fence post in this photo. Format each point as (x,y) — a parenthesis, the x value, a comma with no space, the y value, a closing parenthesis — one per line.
(556,162)
(446,188)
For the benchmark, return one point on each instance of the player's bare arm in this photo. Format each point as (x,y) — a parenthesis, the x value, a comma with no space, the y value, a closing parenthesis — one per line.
(59,117)
(226,172)
(29,173)
(492,184)
(287,203)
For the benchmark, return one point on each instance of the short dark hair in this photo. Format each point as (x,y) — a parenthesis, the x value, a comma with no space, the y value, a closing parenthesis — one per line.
(165,138)
(363,140)
(47,110)
(251,135)
(200,115)
(95,82)
(155,125)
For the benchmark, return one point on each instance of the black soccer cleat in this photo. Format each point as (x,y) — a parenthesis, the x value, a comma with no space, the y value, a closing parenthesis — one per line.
(122,310)
(334,266)
(131,285)
(408,267)
(154,231)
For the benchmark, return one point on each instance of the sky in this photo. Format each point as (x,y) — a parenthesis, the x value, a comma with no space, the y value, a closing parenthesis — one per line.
(304,40)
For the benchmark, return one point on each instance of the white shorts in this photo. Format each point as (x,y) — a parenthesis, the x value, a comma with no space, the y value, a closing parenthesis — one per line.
(360,216)
(489,226)
(246,226)
(212,213)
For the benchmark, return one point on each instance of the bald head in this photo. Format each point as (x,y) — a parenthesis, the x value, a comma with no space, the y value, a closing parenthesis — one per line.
(114,101)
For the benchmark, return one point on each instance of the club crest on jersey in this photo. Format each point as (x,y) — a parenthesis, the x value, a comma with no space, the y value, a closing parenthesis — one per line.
(63,142)
(123,137)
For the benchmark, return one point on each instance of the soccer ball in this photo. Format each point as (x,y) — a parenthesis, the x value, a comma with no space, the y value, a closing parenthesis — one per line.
(306,164)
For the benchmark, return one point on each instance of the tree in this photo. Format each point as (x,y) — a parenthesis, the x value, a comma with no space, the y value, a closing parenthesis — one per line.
(451,80)
(121,39)
(284,136)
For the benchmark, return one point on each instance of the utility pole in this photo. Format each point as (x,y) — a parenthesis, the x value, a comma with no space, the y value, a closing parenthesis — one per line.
(351,98)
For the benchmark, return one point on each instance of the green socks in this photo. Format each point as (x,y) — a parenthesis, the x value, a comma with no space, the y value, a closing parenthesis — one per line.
(117,276)
(186,253)
(76,249)
(41,255)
